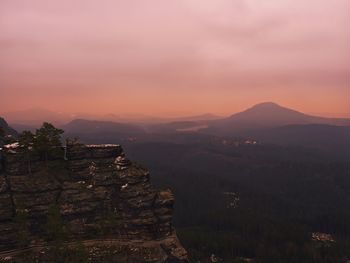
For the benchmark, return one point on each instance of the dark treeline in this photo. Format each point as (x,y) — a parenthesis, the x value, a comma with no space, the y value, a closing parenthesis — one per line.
(261,202)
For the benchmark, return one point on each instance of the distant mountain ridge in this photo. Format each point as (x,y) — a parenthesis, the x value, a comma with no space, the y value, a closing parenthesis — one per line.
(268,115)
(89,126)
(34,117)
(263,116)
(272,113)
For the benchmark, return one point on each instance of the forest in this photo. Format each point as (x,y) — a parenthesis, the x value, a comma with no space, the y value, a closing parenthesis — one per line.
(238,201)
(259,202)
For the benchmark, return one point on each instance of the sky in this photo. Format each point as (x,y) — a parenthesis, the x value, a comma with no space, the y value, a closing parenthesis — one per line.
(175,58)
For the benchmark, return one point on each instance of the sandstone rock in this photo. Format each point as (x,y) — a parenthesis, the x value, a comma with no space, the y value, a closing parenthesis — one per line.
(99,193)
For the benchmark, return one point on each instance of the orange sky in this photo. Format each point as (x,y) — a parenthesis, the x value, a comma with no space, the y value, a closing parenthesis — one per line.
(182,57)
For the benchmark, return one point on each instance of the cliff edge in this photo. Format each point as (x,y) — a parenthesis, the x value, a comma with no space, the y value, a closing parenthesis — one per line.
(85,198)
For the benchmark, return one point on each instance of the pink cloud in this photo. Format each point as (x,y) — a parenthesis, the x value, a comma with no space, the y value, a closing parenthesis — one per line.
(244,50)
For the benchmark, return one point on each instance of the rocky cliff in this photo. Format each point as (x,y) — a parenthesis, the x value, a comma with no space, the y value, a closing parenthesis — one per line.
(6,128)
(89,195)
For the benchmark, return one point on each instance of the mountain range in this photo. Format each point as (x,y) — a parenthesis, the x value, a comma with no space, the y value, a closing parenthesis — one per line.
(267,122)
(267,175)
(33,117)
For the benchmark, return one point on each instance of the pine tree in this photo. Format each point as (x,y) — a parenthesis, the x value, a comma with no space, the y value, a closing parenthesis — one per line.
(47,140)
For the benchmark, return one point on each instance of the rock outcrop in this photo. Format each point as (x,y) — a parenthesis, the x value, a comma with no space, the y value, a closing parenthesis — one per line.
(7,130)
(99,195)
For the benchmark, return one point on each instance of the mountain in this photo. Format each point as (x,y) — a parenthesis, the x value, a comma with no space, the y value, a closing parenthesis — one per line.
(267,115)
(127,118)
(33,118)
(152,120)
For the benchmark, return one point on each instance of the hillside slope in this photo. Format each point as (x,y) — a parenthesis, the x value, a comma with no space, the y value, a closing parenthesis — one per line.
(267,115)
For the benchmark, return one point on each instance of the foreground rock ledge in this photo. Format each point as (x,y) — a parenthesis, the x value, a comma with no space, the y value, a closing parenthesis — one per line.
(105,203)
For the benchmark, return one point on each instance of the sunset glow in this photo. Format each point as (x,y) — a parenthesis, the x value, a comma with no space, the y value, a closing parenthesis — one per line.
(175,58)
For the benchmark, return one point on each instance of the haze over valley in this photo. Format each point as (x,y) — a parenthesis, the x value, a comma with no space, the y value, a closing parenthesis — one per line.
(259,175)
